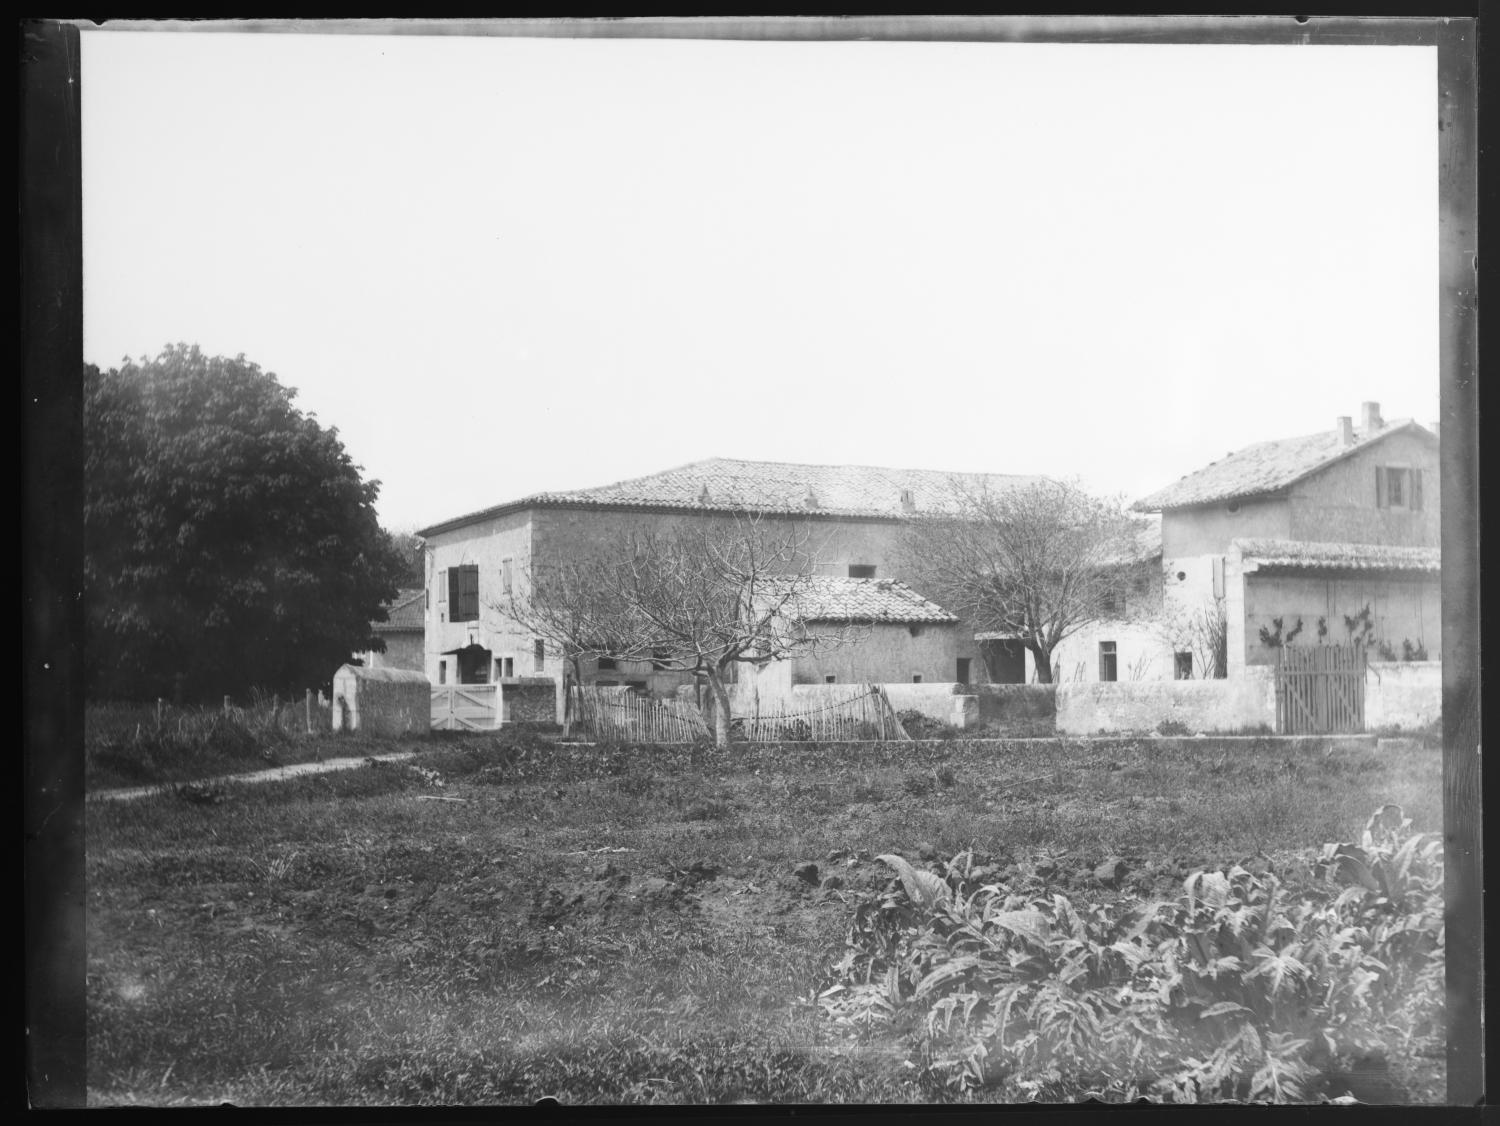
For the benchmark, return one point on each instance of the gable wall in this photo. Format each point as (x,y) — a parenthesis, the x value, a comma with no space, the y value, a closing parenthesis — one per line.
(1338,505)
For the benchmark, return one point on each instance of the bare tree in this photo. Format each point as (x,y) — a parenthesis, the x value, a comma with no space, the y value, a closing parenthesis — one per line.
(1204,632)
(700,599)
(1034,562)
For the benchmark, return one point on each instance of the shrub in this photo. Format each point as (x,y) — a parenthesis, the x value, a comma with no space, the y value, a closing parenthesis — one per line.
(919,725)
(1173,727)
(1243,988)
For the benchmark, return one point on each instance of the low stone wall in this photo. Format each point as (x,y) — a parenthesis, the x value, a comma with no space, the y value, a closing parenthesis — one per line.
(1001,702)
(1143,705)
(528,700)
(1406,694)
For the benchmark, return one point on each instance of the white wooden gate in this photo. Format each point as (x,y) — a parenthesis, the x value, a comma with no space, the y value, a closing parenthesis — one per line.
(465,707)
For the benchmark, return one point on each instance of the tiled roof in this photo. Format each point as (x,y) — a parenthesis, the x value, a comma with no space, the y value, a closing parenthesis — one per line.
(720,484)
(407,612)
(1304,555)
(827,598)
(1265,467)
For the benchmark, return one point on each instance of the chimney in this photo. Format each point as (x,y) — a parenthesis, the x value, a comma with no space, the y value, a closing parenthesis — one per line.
(1346,430)
(908,501)
(1372,421)
(703,497)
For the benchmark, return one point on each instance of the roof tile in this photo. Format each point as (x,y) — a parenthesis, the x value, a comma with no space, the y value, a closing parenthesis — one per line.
(827,598)
(407,612)
(721,484)
(1305,555)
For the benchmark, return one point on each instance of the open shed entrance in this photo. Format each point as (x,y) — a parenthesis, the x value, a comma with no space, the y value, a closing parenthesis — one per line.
(1004,661)
(472,664)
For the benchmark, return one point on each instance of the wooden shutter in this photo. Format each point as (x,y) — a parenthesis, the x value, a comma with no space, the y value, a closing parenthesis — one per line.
(1416,490)
(466,595)
(1380,501)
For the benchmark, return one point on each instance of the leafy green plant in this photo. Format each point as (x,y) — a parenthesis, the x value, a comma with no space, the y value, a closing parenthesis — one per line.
(1275,638)
(1244,987)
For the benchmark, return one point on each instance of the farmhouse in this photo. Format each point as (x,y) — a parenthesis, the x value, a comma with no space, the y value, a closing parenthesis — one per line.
(1328,537)
(853,516)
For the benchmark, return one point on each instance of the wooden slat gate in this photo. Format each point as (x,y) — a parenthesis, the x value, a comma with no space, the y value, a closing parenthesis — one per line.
(1320,689)
(464,707)
(629,718)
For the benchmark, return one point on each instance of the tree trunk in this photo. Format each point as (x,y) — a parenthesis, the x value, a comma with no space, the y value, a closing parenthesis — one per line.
(1043,658)
(721,709)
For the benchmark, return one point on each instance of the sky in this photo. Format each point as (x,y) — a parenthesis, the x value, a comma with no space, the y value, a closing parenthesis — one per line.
(501,266)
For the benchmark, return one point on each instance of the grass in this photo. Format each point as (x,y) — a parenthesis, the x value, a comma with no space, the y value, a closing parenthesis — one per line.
(612,924)
(139,744)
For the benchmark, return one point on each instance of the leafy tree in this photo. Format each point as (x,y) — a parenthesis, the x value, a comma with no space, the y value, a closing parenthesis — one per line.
(405,543)
(229,541)
(1036,561)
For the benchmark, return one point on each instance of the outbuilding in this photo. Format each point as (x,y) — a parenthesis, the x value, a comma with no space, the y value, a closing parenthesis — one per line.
(381,701)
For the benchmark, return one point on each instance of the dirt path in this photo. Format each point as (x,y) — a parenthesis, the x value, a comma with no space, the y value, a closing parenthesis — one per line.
(275,774)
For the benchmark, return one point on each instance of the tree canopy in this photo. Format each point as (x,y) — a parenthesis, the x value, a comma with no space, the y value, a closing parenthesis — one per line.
(1034,562)
(229,541)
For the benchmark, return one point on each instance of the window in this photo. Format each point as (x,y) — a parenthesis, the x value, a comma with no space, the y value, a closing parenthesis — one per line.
(539,654)
(510,666)
(1107,658)
(963,670)
(660,657)
(463,594)
(607,663)
(442,672)
(830,679)
(916,678)
(1398,487)
(1182,666)
(505,576)
(442,586)
(861,570)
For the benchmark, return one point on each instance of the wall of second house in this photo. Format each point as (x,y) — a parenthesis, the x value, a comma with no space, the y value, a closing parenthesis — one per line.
(1338,504)
(403,650)
(560,533)
(1401,609)
(893,654)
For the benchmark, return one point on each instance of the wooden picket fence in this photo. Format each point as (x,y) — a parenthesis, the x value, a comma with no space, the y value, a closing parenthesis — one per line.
(1320,689)
(865,714)
(628,718)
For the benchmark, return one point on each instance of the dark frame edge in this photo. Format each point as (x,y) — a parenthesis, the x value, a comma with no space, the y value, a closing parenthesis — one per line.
(1458,195)
(51,346)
